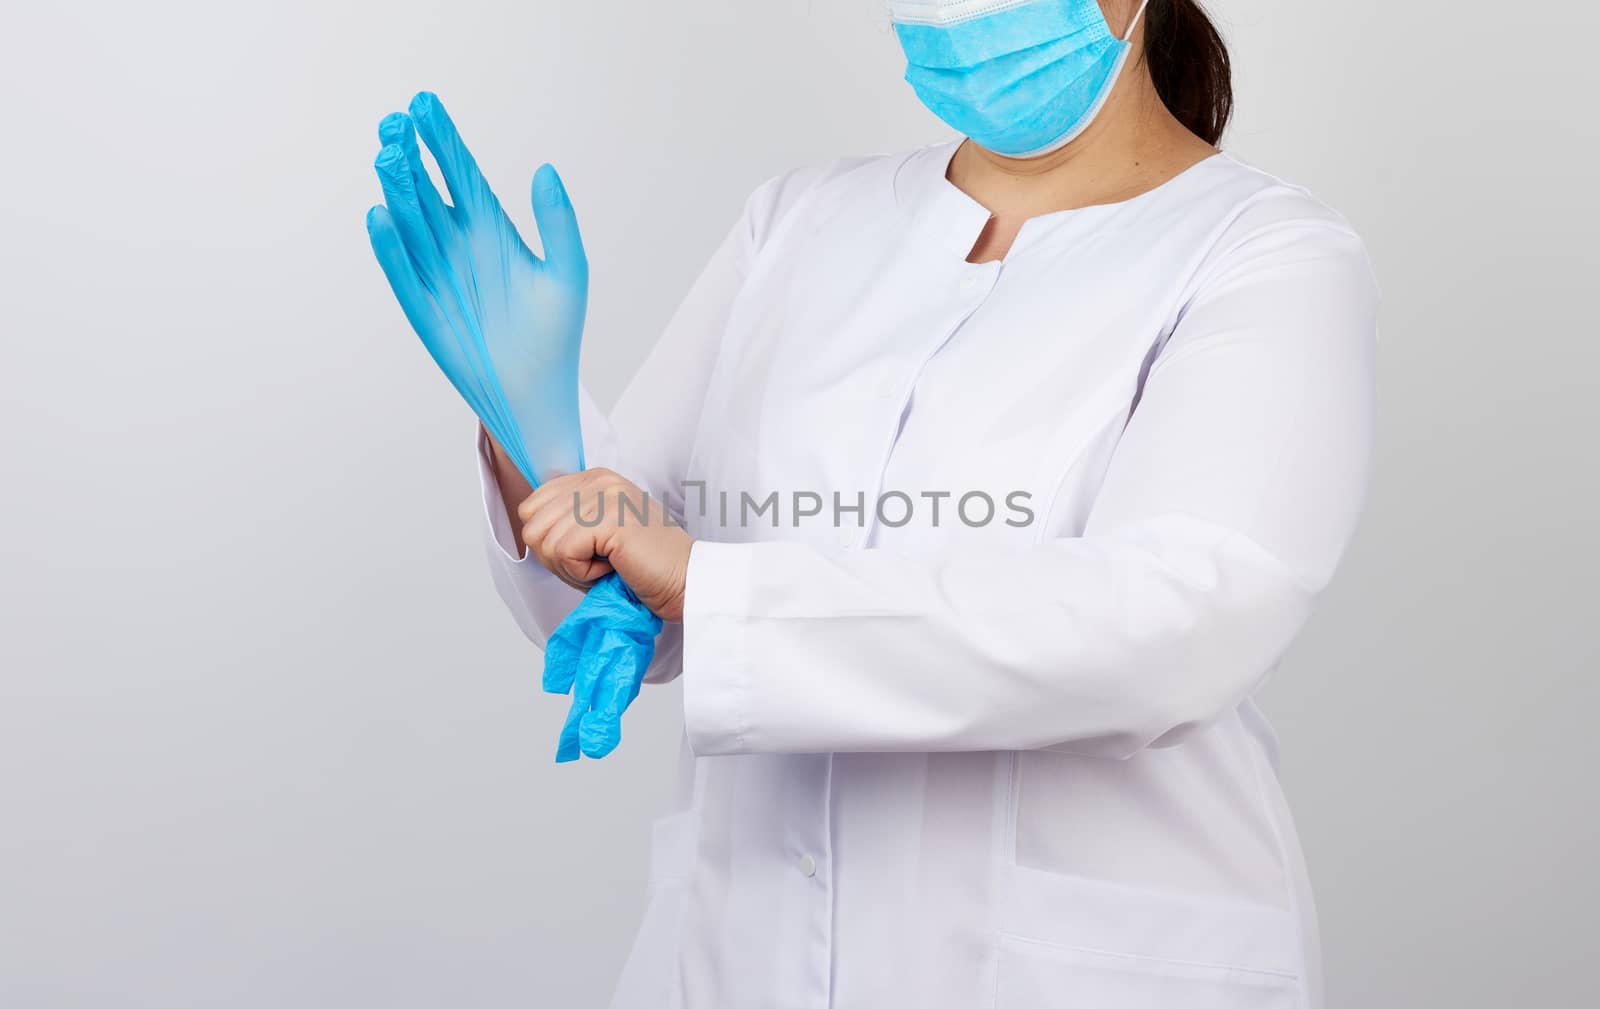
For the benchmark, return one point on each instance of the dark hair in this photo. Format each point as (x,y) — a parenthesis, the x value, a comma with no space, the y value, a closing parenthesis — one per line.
(1189,63)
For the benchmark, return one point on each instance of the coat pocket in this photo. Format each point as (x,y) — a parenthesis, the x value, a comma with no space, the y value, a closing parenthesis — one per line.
(649,978)
(1071,942)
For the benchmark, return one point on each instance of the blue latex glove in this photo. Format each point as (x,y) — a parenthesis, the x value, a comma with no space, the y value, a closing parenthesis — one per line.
(600,653)
(505,328)
(502,324)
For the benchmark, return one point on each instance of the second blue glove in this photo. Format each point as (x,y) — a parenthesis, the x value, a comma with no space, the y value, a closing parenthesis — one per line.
(600,653)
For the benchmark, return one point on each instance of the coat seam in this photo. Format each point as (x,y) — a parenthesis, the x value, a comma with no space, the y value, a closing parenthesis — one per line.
(1265,972)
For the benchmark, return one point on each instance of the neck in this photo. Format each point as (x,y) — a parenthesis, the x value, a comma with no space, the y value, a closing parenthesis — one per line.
(1134,145)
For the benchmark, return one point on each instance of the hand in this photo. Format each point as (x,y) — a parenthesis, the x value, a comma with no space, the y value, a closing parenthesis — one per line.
(502,324)
(584,526)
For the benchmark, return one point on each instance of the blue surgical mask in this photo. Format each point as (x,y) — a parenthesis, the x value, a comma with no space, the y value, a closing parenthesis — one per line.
(1020,77)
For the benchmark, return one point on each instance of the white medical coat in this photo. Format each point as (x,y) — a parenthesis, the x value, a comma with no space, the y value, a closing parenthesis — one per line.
(950,765)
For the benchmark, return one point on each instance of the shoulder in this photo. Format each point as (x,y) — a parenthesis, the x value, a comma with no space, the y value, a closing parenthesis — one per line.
(776,199)
(1266,204)
(1261,223)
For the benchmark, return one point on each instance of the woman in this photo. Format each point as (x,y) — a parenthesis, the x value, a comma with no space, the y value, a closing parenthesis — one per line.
(935,760)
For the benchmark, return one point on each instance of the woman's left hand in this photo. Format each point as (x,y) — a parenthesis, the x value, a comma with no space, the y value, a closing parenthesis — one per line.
(583,526)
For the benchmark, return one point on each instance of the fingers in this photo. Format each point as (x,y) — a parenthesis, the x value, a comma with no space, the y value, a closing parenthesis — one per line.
(397,130)
(558,225)
(458,346)
(564,535)
(451,344)
(390,248)
(555,496)
(468,189)
(568,551)
(572,554)
(590,483)
(433,326)
(431,323)
(400,194)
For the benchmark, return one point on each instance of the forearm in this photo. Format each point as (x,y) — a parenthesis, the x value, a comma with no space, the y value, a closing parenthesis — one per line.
(514,487)
(1100,645)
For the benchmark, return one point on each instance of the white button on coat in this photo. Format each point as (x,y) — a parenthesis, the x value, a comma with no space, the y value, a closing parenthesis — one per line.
(808,866)
(1028,754)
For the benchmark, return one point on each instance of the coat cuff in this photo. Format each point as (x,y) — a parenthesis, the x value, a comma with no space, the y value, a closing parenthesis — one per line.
(505,538)
(717,661)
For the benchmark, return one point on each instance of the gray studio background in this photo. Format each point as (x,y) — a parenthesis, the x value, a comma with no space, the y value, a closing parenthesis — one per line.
(267,738)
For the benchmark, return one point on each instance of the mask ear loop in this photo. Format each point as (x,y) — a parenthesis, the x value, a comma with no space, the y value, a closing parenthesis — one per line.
(1134,26)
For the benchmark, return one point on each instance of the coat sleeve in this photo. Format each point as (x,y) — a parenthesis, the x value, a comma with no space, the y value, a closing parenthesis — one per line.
(1227,505)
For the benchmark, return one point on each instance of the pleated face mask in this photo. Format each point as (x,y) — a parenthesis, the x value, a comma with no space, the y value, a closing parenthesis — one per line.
(1020,77)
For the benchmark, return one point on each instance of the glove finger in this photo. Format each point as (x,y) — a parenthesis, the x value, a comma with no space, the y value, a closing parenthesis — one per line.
(583,687)
(597,737)
(398,129)
(602,728)
(563,652)
(400,194)
(421,310)
(625,660)
(466,363)
(558,226)
(469,191)
(568,747)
